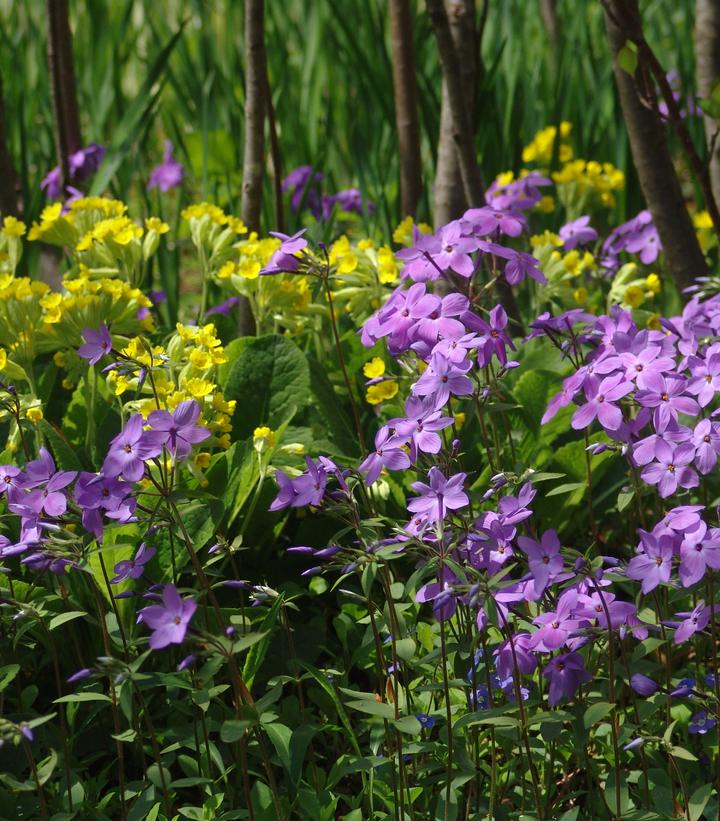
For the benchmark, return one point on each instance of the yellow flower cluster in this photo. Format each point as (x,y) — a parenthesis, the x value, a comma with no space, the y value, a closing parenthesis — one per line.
(215,215)
(591,177)
(631,289)
(403,234)
(540,150)
(704,230)
(381,392)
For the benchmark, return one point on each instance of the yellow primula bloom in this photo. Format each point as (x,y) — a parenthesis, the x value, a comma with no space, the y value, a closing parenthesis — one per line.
(202,460)
(157,225)
(202,209)
(546,238)
(13,227)
(634,296)
(374,368)
(653,323)
(34,414)
(702,219)
(237,225)
(365,244)
(382,391)
(60,358)
(580,295)
(3,358)
(198,388)
(263,436)
(200,359)
(348,264)
(227,270)
(248,268)
(653,283)
(546,205)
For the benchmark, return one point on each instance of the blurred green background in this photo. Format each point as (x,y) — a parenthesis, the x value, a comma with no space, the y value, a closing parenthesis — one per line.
(149,70)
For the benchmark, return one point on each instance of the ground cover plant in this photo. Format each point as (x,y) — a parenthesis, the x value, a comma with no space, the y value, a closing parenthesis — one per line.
(359,443)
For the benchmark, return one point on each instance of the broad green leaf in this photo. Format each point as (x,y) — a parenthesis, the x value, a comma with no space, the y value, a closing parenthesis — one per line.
(409,725)
(596,712)
(56,621)
(81,697)
(373,708)
(698,801)
(233,730)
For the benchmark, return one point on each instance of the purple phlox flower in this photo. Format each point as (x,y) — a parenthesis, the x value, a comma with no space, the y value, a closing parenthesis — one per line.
(349,200)
(487,221)
(306,489)
(81,164)
(593,606)
(705,380)
(514,509)
(701,723)
(685,688)
(135,567)
(565,674)
(578,232)
(456,349)
(129,451)
(286,259)
(496,543)
(601,403)
(546,324)
(223,308)
(544,558)
(420,265)
(168,621)
(10,477)
(520,265)
(286,493)
(667,396)
(176,431)
(671,468)
(96,494)
(643,685)
(455,250)
(518,195)
(653,566)
(169,174)
(557,626)
(440,496)
(300,182)
(158,297)
(443,378)
(495,339)
(687,624)
(646,243)
(401,316)
(505,659)
(561,399)
(706,440)
(421,426)
(50,499)
(439,323)
(641,361)
(388,454)
(79,675)
(97,344)
(187,663)
(645,449)
(441,594)
(427,722)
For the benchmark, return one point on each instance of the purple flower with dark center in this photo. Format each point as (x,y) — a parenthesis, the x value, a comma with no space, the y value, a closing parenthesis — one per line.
(670,469)
(601,398)
(168,621)
(646,360)
(697,553)
(643,685)
(517,650)
(388,454)
(426,722)
(286,493)
(520,265)
(579,232)
(10,477)
(544,558)
(565,674)
(176,431)
(135,567)
(422,425)
(440,496)
(495,339)
(50,500)
(81,164)
(443,378)
(556,626)
(690,623)
(653,566)
(646,243)
(285,259)
(487,221)
(595,605)
(705,380)
(701,723)
(402,313)
(129,451)
(97,344)
(667,396)
(440,323)
(706,440)
(169,174)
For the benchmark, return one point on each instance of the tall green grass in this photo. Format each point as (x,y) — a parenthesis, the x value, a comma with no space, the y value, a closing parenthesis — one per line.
(175,69)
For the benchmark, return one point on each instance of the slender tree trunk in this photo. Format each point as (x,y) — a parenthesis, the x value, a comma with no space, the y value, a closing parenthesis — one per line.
(255,111)
(548,12)
(406,110)
(62,83)
(449,198)
(652,159)
(707,66)
(8,177)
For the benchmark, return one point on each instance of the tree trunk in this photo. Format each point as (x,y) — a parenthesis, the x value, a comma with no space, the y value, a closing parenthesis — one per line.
(651,156)
(548,12)
(255,110)
(406,110)
(449,199)
(8,178)
(62,83)
(707,63)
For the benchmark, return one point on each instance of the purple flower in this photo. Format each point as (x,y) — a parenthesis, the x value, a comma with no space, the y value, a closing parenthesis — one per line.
(691,623)
(667,396)
(97,344)
(176,431)
(388,453)
(601,398)
(565,673)
(556,626)
(506,659)
(285,259)
(426,722)
(81,164)
(50,499)
(494,336)
(439,496)
(80,675)
(653,566)
(643,685)
(168,621)
(300,182)
(487,221)
(349,200)
(579,232)
(422,424)
(520,265)
(543,557)
(701,723)
(223,308)
(443,378)
(706,441)
(697,554)
(169,174)
(135,567)
(670,469)
(129,451)
(646,243)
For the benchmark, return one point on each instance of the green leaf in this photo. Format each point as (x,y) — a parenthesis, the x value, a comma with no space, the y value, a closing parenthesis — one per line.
(373,708)
(567,488)
(65,456)
(56,621)
(627,58)
(280,736)
(81,697)
(409,725)
(531,392)
(233,730)
(681,752)
(624,499)
(596,712)
(405,648)
(270,380)
(698,801)
(246,641)
(8,674)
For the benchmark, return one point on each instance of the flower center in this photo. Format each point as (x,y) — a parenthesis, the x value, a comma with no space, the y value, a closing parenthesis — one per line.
(128,448)
(658,560)
(177,620)
(671,468)
(706,438)
(664,397)
(601,398)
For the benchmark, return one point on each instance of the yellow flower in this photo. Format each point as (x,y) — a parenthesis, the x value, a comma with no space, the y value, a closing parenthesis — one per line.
(226,270)
(263,436)
(546,205)
(374,368)
(34,414)
(59,358)
(546,238)
(157,225)
(702,219)
(248,268)
(3,358)
(634,296)
(402,235)
(382,391)
(459,419)
(365,244)
(202,460)
(653,283)
(67,384)
(12,227)
(200,359)
(571,262)
(653,323)
(580,295)
(198,388)
(237,225)
(348,264)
